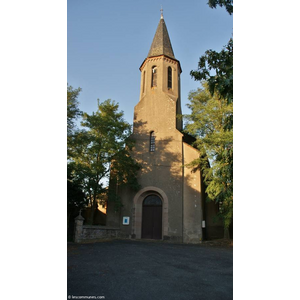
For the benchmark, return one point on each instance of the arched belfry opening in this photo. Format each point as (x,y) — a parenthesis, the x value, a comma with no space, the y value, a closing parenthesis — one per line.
(154,77)
(152,217)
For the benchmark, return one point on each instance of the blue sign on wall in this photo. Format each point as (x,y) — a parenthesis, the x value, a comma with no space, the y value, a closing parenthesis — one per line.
(125,220)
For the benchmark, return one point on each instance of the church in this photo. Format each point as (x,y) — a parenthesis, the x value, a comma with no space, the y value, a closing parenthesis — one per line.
(171,203)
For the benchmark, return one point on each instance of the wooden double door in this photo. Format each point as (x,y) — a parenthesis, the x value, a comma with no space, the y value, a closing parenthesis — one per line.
(152,218)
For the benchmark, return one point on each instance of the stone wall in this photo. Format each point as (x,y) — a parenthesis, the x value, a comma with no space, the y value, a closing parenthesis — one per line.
(86,233)
(92,232)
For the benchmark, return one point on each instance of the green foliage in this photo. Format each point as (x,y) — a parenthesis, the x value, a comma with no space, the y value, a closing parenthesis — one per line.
(208,122)
(113,197)
(221,65)
(211,121)
(123,172)
(99,146)
(73,111)
(76,197)
(227,3)
(124,169)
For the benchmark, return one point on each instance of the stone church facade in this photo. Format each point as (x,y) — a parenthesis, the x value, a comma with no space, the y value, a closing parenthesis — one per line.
(171,202)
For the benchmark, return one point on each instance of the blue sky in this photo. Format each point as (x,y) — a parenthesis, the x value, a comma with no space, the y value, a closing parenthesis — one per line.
(108,41)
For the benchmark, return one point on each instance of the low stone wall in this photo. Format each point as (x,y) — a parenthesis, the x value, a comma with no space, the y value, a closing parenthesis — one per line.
(94,232)
(86,233)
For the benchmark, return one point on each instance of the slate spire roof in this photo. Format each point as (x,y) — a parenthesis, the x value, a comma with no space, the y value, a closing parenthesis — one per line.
(161,44)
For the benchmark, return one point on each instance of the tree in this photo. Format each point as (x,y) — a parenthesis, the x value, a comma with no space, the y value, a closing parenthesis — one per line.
(73,111)
(208,122)
(98,147)
(214,132)
(227,3)
(217,69)
(76,199)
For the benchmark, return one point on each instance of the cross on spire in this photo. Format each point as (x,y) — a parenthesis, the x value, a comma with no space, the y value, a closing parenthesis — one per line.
(161,13)
(161,44)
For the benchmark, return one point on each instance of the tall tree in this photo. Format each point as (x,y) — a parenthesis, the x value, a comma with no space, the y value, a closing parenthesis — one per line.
(208,122)
(95,147)
(215,142)
(76,199)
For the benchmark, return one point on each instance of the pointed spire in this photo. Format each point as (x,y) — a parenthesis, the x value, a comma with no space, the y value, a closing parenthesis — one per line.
(161,44)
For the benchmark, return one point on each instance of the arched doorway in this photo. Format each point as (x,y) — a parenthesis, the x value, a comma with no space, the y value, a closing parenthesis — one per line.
(152,217)
(138,208)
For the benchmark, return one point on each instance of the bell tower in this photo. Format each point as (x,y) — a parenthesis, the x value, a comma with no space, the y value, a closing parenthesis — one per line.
(169,205)
(158,137)
(160,83)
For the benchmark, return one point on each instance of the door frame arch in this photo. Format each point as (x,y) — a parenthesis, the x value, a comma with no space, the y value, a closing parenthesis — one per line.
(138,208)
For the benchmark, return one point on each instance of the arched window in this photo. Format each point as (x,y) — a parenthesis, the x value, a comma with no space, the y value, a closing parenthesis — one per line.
(144,77)
(154,76)
(152,141)
(169,78)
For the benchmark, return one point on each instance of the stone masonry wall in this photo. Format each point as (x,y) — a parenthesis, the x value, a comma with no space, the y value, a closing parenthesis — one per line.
(85,233)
